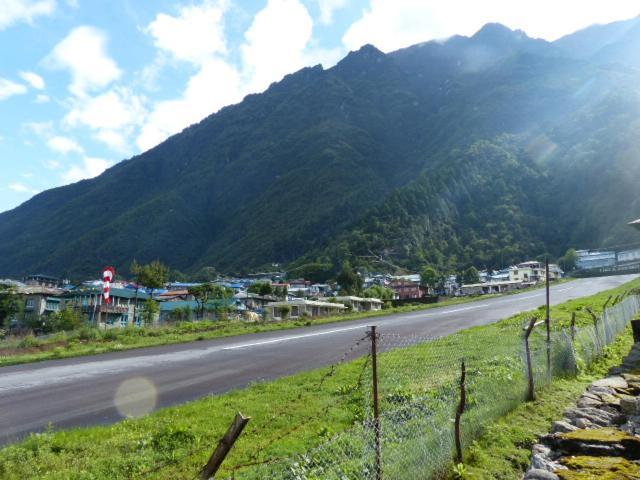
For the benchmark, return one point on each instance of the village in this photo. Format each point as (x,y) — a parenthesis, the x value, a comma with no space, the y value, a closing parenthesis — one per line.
(267,296)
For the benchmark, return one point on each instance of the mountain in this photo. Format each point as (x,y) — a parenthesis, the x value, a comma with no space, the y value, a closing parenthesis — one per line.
(476,150)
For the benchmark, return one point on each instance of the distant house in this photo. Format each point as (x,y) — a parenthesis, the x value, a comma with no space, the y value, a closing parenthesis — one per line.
(628,256)
(42,280)
(252,301)
(359,304)
(301,307)
(174,296)
(588,259)
(406,289)
(118,313)
(533,272)
(40,301)
(489,287)
(527,272)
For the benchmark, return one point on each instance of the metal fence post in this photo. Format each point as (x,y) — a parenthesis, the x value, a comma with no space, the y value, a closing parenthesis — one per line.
(460,411)
(376,405)
(548,318)
(531,394)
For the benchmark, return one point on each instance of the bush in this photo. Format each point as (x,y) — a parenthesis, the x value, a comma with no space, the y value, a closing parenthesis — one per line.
(110,335)
(88,333)
(29,342)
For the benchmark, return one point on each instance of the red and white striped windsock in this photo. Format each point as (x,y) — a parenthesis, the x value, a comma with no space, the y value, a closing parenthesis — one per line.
(107,277)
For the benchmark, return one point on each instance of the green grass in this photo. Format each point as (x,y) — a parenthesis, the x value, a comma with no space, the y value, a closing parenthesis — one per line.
(90,341)
(293,414)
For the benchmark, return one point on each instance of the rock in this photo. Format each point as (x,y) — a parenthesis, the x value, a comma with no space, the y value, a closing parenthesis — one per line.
(583,423)
(585,467)
(601,390)
(538,474)
(610,399)
(602,442)
(540,449)
(592,395)
(594,415)
(611,382)
(588,402)
(630,377)
(562,427)
(630,405)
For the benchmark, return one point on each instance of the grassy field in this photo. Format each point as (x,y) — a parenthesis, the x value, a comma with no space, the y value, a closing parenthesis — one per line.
(291,415)
(90,340)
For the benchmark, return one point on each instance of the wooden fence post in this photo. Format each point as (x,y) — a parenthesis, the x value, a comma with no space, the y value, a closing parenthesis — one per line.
(224,446)
(594,317)
(460,411)
(531,393)
(376,402)
(573,327)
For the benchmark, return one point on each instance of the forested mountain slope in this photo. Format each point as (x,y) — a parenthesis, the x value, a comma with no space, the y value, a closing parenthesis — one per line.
(475,150)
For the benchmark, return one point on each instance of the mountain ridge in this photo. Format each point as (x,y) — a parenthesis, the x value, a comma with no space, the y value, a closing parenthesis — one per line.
(328,164)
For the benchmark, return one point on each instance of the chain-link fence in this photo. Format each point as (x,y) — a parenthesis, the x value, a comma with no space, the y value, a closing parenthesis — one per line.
(424,400)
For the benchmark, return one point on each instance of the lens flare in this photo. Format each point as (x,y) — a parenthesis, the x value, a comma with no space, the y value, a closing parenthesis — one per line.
(136,397)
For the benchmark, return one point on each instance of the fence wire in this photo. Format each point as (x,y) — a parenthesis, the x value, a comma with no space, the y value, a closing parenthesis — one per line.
(419,392)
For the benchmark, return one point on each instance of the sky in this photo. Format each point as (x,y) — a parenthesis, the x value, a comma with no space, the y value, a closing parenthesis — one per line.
(85,84)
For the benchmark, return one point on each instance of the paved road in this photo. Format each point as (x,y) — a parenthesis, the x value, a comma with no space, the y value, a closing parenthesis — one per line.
(102,388)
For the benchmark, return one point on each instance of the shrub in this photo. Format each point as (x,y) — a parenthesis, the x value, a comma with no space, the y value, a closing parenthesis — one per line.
(29,342)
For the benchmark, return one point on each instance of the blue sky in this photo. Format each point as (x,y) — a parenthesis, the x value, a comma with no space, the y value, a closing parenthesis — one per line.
(85,84)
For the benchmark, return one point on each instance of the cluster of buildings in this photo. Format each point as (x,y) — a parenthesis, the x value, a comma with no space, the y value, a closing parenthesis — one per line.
(607,259)
(42,295)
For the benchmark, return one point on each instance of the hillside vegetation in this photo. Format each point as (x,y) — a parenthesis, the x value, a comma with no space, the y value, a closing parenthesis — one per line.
(482,149)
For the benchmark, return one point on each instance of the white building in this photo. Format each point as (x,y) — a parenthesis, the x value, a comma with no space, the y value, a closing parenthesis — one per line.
(359,304)
(301,307)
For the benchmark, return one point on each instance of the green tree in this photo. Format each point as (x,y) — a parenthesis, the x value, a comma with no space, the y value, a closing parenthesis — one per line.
(150,310)
(9,304)
(431,278)
(470,275)
(569,260)
(261,288)
(349,280)
(65,320)
(380,292)
(206,292)
(153,275)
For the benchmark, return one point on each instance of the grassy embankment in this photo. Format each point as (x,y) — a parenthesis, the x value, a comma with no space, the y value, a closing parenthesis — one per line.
(289,416)
(90,340)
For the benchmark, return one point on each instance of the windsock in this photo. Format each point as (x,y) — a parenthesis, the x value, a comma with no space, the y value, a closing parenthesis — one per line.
(107,277)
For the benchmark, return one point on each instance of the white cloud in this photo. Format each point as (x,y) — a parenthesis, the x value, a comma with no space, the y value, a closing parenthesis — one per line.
(64,145)
(83,53)
(392,24)
(274,43)
(13,11)
(52,164)
(195,35)
(33,79)
(114,109)
(21,188)
(9,88)
(215,85)
(328,7)
(112,115)
(41,98)
(42,129)
(89,168)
